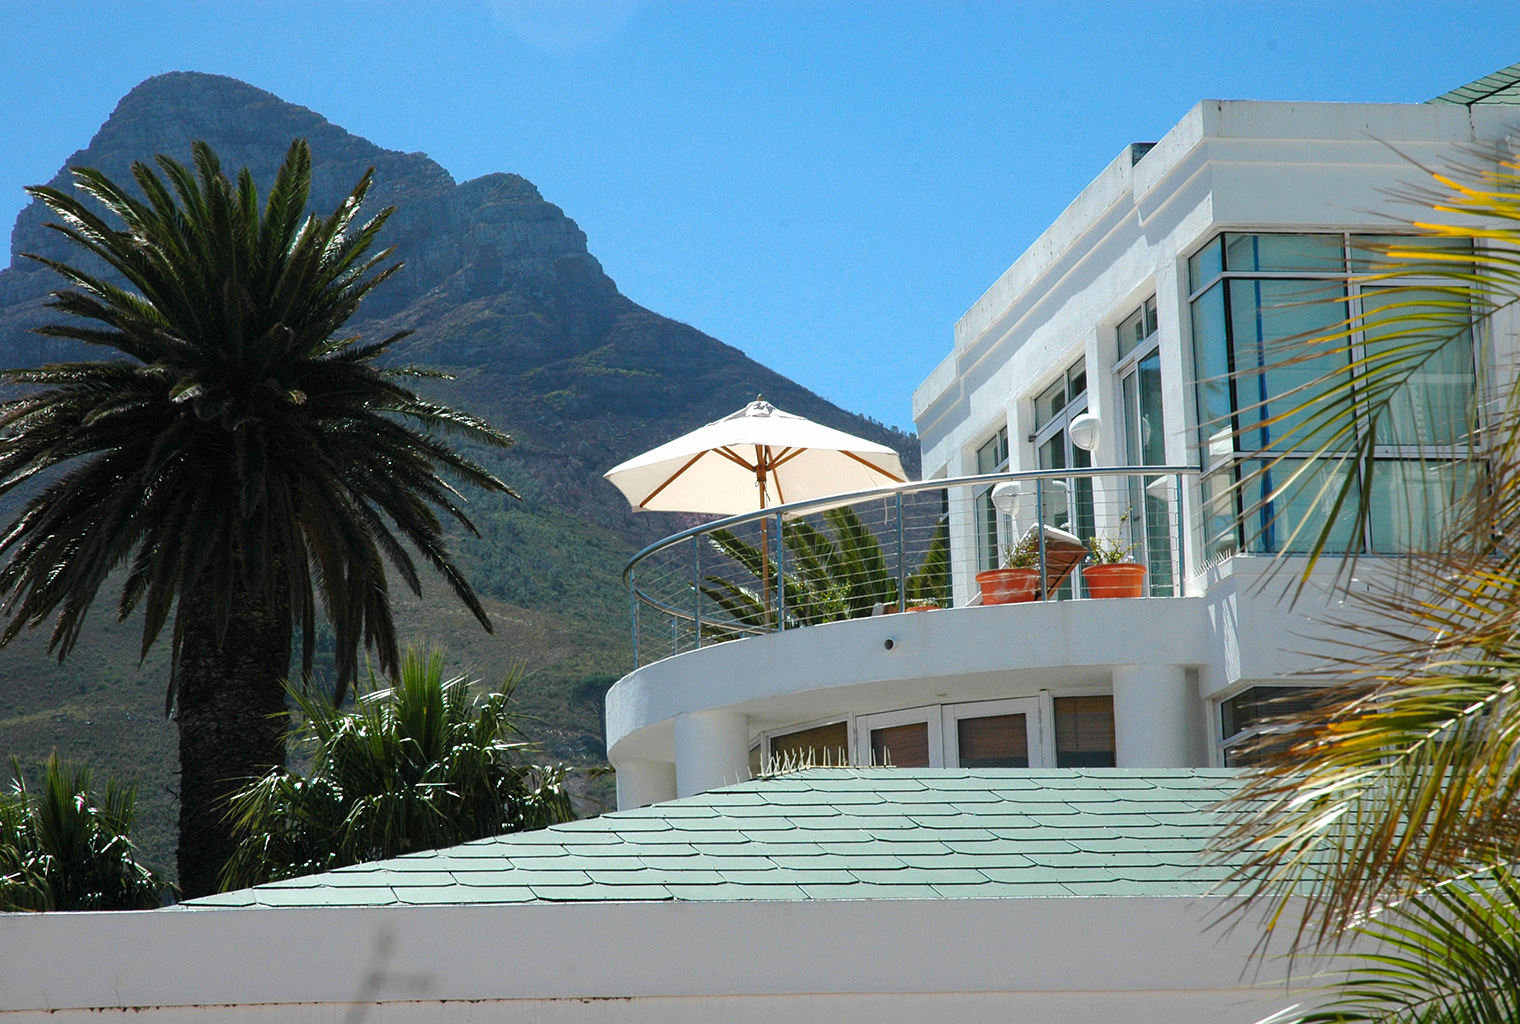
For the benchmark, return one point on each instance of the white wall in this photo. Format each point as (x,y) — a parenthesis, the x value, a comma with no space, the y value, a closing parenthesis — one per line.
(1053,961)
(936,657)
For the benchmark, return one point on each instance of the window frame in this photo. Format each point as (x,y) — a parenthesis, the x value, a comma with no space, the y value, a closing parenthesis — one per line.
(1228,465)
(987,541)
(1032,708)
(848,721)
(929,714)
(1223,743)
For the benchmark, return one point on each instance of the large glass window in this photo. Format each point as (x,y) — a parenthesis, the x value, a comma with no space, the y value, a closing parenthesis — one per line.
(1245,720)
(1068,503)
(991,457)
(1150,515)
(1251,294)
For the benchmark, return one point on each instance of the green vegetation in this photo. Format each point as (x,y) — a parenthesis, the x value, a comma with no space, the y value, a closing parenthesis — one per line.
(839,574)
(241,462)
(501,293)
(64,848)
(1393,812)
(417,766)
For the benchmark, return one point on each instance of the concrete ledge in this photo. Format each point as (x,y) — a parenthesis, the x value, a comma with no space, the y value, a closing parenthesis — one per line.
(225,962)
(953,654)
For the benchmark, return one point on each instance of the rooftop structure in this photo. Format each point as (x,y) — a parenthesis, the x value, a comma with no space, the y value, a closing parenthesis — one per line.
(850,895)
(824,834)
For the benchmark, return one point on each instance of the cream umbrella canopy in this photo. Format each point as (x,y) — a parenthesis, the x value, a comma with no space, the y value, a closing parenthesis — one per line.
(751,460)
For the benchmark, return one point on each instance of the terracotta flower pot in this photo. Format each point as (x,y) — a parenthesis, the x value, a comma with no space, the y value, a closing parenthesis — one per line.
(1008,586)
(1117,579)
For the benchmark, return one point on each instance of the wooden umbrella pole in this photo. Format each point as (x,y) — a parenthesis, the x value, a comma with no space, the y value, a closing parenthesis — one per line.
(765,535)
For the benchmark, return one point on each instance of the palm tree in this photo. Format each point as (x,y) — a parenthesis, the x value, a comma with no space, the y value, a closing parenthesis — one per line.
(417,766)
(64,849)
(1393,810)
(232,454)
(841,573)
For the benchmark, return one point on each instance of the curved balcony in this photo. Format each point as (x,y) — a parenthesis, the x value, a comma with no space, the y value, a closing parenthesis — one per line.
(911,547)
(868,604)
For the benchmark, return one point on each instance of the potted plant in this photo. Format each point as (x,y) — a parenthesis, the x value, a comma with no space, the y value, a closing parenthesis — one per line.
(1111,569)
(1017,580)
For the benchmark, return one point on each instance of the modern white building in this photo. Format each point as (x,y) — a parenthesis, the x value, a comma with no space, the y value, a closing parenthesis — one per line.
(1182,261)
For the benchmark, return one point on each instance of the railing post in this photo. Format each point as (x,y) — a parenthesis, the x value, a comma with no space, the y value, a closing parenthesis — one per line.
(780,579)
(1039,520)
(1179,543)
(902,563)
(696,588)
(633,613)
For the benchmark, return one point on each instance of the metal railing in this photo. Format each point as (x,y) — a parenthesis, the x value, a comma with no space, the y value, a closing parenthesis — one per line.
(909,547)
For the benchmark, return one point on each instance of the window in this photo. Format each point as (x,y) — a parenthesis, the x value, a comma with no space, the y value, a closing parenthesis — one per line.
(1068,503)
(820,745)
(1251,292)
(1151,501)
(995,734)
(1035,731)
(1245,719)
(1085,732)
(902,738)
(991,457)
(1138,328)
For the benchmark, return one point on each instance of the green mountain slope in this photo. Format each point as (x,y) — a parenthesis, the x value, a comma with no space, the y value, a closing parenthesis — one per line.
(499,289)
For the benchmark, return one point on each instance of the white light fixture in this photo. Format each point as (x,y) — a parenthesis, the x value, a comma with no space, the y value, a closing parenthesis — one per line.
(1006,495)
(1084,431)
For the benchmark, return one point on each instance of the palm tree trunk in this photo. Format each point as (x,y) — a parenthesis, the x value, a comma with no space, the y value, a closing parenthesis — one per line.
(231,727)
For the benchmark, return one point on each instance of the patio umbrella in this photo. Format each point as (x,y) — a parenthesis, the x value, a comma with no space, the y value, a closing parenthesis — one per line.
(751,460)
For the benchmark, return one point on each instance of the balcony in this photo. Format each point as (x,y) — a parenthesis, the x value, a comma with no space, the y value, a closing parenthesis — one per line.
(866,604)
(915,547)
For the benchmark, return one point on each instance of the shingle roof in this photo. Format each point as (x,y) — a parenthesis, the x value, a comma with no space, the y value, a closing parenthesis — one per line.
(826,833)
(1502,86)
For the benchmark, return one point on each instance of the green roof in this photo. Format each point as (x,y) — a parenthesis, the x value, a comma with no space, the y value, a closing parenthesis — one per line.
(1500,87)
(826,833)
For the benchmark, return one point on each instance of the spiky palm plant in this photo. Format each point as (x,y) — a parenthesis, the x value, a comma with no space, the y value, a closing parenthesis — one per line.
(244,466)
(417,766)
(840,573)
(64,848)
(1393,811)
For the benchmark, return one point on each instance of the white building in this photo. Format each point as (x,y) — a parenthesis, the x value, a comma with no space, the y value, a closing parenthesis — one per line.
(1181,260)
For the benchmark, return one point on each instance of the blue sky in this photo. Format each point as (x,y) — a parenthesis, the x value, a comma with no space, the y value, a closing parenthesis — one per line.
(826,185)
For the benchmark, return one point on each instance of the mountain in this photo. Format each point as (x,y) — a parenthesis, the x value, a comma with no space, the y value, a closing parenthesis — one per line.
(500,290)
